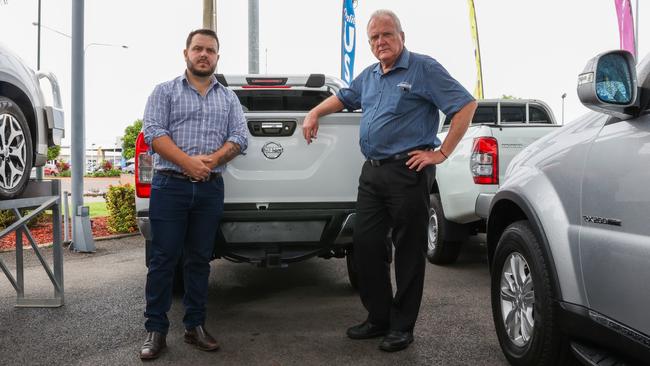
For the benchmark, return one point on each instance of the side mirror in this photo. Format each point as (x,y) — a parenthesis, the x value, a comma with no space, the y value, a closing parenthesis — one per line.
(608,84)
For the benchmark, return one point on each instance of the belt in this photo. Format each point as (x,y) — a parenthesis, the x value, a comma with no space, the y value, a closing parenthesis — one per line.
(401,156)
(177,175)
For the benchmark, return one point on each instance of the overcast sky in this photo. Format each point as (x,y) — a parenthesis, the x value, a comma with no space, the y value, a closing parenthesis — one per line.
(530,49)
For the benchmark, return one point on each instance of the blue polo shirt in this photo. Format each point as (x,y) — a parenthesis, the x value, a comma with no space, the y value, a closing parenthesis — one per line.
(400,108)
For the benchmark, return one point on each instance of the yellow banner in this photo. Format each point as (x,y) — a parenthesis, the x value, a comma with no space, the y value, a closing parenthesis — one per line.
(478,91)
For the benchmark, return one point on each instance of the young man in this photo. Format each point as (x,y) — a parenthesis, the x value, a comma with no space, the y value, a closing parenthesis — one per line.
(194,126)
(400,97)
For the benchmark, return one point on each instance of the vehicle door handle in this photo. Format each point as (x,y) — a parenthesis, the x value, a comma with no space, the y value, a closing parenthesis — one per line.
(271,128)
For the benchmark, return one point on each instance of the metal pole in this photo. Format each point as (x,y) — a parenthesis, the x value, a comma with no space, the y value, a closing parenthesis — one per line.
(39,170)
(66,217)
(214,14)
(209,18)
(253,37)
(81,241)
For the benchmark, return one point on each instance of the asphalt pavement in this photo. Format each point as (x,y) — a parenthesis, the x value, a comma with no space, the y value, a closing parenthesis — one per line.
(292,316)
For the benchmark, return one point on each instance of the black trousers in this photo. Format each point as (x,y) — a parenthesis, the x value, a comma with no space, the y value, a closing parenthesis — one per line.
(392,196)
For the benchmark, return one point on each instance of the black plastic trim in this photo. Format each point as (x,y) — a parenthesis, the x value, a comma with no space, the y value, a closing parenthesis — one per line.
(222,80)
(315,81)
(581,323)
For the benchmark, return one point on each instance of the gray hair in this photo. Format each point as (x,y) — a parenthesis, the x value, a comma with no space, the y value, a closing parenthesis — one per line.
(386,13)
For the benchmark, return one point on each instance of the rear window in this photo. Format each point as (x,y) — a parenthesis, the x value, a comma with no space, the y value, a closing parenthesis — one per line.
(280,100)
(509,114)
(538,115)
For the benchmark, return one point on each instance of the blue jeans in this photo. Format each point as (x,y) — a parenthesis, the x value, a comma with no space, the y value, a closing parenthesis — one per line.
(184,220)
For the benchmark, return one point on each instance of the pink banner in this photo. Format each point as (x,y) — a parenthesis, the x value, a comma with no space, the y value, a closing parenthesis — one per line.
(625,25)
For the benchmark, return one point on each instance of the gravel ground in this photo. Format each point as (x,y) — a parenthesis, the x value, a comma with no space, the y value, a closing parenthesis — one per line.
(292,316)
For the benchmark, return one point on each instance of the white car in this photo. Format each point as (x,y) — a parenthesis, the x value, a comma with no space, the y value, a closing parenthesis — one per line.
(28,126)
(129,168)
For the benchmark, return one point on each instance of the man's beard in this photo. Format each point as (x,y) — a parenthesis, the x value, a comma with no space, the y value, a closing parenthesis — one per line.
(200,73)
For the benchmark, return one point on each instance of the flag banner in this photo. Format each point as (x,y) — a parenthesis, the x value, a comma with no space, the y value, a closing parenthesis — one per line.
(625,25)
(478,91)
(348,41)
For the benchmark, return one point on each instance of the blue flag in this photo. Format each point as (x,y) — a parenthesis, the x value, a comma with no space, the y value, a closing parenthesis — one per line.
(348,41)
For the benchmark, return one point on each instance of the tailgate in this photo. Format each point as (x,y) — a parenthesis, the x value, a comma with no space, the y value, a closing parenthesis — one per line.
(279,166)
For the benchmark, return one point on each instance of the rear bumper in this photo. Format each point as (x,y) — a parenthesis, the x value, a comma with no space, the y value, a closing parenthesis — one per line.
(278,236)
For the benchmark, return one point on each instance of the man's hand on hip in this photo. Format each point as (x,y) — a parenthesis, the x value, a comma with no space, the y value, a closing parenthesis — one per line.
(420,159)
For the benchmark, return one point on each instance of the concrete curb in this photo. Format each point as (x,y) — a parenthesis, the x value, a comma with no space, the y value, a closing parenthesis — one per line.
(67,244)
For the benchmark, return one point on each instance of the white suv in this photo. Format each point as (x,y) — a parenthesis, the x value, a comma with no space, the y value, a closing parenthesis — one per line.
(28,126)
(569,230)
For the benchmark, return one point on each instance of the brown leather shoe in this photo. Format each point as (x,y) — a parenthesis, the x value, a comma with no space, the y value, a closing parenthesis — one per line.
(153,346)
(200,337)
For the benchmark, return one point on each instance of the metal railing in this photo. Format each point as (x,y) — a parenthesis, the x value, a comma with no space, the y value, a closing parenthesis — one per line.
(39,196)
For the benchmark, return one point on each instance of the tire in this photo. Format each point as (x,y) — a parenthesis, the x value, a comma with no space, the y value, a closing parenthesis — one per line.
(16,152)
(352,270)
(439,250)
(521,289)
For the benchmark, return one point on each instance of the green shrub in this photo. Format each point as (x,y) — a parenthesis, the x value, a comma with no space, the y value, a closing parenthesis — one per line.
(65,173)
(120,202)
(105,173)
(7,218)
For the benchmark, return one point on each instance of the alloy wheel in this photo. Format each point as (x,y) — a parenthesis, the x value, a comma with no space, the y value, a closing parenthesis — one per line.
(517,297)
(13,152)
(432,230)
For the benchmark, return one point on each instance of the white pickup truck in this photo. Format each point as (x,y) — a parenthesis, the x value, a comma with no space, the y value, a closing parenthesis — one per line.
(284,201)
(468,180)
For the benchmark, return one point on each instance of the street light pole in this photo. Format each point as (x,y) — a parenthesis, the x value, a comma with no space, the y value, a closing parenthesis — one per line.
(563,97)
(82,240)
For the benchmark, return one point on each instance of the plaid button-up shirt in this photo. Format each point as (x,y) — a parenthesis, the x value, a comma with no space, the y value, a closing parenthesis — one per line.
(198,125)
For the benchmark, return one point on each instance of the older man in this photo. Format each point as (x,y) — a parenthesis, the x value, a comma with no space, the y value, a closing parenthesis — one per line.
(400,97)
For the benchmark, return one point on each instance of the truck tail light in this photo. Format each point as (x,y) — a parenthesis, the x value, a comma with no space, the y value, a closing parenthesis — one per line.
(143,168)
(484,163)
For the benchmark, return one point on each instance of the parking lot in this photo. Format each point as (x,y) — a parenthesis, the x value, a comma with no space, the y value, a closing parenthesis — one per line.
(291,316)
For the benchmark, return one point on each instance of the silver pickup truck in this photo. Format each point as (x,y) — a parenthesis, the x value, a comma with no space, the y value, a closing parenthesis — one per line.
(283,202)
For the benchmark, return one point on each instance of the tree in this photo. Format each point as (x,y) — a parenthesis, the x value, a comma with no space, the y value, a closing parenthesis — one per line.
(53,152)
(128,141)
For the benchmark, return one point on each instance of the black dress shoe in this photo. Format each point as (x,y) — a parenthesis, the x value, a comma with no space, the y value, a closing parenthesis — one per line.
(200,337)
(153,345)
(396,341)
(366,330)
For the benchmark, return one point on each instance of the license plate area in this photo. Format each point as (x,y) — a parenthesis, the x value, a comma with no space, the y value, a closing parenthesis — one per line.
(273,231)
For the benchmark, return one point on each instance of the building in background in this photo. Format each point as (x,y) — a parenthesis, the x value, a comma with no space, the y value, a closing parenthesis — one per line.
(95,155)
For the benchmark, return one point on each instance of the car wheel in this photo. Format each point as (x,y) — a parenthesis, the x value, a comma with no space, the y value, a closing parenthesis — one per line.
(352,269)
(440,251)
(16,152)
(525,317)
